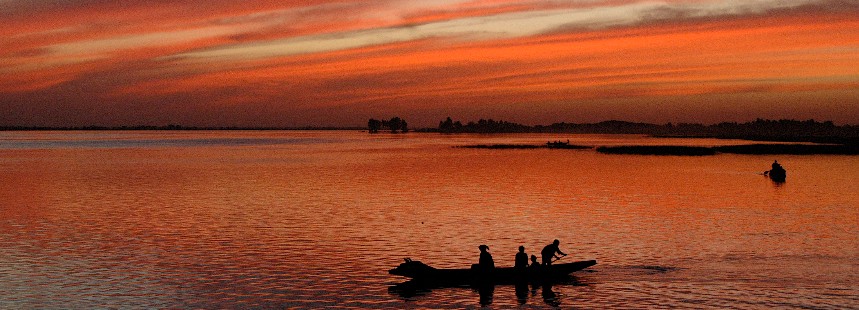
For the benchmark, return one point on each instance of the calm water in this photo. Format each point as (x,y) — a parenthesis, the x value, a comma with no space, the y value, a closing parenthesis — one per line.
(315,219)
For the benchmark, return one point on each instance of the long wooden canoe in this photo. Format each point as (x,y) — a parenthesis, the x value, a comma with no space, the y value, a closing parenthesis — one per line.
(423,272)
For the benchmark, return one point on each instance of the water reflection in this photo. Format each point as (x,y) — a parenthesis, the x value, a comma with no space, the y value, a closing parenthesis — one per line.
(549,296)
(486,292)
(219,225)
(522,293)
(546,292)
(417,290)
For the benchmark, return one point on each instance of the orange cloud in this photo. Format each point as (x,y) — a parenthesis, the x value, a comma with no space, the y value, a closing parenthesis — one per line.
(712,51)
(414,57)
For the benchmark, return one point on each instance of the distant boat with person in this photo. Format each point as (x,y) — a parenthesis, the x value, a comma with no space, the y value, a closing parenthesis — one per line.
(557,144)
(777,173)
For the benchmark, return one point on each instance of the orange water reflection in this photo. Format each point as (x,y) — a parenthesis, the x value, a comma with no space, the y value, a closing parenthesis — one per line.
(314,219)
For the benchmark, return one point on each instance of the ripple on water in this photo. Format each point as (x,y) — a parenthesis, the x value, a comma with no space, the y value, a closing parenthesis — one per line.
(307,225)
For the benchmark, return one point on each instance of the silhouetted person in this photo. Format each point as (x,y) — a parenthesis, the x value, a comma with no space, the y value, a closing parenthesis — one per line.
(535,270)
(534,264)
(521,259)
(486,263)
(549,252)
(777,174)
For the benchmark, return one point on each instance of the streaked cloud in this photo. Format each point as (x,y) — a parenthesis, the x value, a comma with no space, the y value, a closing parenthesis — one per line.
(335,62)
(507,25)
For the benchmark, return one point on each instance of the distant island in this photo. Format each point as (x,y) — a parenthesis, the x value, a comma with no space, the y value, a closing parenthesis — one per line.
(760,129)
(395,125)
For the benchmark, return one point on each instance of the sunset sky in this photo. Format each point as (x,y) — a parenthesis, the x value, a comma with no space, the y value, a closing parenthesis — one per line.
(338,63)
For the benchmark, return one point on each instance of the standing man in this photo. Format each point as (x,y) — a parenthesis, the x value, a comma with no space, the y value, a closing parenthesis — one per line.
(486,263)
(521,261)
(549,252)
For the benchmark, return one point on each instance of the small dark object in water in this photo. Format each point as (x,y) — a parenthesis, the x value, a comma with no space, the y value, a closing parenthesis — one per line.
(499,275)
(777,174)
(565,145)
(557,144)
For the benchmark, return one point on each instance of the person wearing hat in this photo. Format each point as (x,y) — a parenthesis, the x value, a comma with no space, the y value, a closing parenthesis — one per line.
(486,262)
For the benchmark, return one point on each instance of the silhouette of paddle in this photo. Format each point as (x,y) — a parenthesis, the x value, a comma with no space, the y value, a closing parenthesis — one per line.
(559,258)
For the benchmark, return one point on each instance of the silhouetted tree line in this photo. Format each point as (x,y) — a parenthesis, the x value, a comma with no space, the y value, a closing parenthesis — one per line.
(760,129)
(481,126)
(770,130)
(395,125)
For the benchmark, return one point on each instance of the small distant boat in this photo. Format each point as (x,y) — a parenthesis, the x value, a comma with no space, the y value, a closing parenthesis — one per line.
(557,144)
(502,275)
(777,175)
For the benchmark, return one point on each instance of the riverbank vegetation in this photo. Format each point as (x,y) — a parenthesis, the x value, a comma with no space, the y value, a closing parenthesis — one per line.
(679,150)
(758,130)
(657,150)
(750,149)
(395,125)
(522,146)
(499,146)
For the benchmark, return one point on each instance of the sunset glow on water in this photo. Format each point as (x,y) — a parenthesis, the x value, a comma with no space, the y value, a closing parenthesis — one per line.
(309,219)
(151,157)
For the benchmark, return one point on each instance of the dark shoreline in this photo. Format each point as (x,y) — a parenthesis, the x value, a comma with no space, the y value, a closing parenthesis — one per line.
(824,145)
(499,146)
(657,150)
(784,130)
(677,150)
(747,149)
(811,139)
(522,147)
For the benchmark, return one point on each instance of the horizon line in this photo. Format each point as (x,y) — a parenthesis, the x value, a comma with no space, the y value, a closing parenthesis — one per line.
(333,127)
